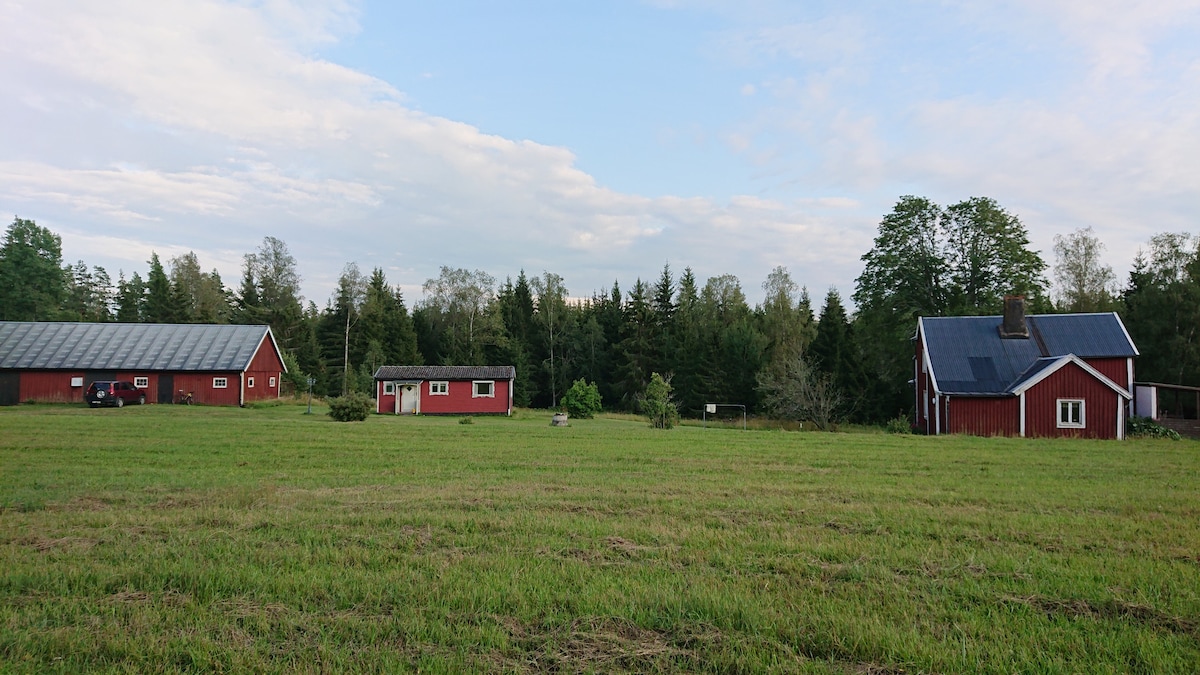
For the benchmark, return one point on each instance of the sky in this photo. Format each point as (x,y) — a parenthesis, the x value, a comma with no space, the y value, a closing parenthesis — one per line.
(599,140)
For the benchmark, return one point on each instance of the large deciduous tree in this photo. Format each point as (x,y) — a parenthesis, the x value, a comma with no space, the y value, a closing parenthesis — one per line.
(1083,283)
(1162,309)
(33,284)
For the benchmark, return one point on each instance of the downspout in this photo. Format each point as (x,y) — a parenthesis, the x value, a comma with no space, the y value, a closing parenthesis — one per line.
(242,389)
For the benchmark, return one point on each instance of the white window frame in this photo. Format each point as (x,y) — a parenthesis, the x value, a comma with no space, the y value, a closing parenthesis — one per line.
(475,389)
(1064,405)
(271,382)
(389,388)
(220,383)
(141,382)
(249,382)
(439,388)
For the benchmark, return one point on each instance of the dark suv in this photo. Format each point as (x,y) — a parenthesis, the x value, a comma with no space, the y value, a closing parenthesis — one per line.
(114,393)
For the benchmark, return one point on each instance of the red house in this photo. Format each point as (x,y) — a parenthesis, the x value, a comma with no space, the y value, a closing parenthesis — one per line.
(1017,375)
(218,365)
(444,390)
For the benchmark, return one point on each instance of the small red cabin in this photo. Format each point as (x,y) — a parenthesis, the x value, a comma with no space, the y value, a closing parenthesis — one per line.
(444,390)
(216,364)
(1013,375)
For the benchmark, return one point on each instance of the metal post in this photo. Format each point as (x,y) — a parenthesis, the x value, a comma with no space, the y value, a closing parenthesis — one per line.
(311,382)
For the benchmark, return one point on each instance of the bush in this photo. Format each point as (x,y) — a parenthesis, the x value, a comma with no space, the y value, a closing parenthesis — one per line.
(899,425)
(1147,428)
(353,407)
(657,404)
(582,400)
(467,420)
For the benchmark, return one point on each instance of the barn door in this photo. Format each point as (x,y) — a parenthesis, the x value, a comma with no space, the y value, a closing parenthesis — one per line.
(166,388)
(10,388)
(408,399)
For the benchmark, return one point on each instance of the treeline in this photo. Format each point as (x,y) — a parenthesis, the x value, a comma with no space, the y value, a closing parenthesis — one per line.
(782,356)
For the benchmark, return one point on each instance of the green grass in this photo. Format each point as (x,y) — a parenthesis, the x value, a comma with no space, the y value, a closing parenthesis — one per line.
(174,539)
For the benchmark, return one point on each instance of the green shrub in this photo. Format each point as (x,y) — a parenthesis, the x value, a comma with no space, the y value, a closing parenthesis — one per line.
(1148,428)
(899,425)
(582,400)
(467,420)
(353,407)
(657,404)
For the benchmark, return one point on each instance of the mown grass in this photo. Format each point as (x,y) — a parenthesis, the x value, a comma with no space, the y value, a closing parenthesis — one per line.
(171,539)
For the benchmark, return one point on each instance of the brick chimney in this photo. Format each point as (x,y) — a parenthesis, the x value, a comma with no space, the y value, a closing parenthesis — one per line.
(1014,326)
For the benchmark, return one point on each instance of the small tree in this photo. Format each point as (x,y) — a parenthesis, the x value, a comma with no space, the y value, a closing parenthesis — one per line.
(657,403)
(582,399)
(353,407)
(798,392)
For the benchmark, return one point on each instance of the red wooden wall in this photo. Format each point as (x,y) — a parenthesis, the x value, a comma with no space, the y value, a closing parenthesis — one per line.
(1071,382)
(458,400)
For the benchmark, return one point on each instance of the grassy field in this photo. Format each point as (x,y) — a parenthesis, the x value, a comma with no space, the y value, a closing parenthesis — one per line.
(166,539)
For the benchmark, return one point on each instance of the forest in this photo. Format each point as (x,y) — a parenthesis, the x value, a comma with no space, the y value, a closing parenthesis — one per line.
(848,360)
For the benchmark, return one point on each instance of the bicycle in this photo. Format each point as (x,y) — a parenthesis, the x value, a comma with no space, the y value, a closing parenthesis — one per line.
(184,398)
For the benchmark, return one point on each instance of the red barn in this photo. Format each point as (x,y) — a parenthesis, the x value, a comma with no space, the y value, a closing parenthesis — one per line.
(444,390)
(218,365)
(1017,375)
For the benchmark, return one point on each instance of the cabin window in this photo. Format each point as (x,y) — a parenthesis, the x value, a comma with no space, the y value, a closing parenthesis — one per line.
(141,382)
(439,388)
(220,382)
(483,389)
(249,382)
(271,382)
(1070,413)
(389,388)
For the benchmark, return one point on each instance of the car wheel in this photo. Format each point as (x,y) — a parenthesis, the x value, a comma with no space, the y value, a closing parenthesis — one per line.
(120,402)
(142,400)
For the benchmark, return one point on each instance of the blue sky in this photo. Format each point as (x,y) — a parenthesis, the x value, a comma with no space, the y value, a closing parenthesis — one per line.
(596,140)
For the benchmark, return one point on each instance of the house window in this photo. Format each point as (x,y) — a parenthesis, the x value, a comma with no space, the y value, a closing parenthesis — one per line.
(220,382)
(389,388)
(271,382)
(1070,413)
(483,389)
(439,388)
(141,382)
(249,382)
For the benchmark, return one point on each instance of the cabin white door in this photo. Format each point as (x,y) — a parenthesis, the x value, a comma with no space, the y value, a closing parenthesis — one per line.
(408,399)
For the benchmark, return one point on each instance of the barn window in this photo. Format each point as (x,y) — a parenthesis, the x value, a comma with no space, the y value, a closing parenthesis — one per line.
(389,388)
(1070,413)
(220,382)
(271,382)
(249,382)
(141,382)
(439,388)
(483,389)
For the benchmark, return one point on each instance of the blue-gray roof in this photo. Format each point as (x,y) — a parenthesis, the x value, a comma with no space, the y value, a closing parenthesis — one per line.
(128,346)
(446,373)
(968,356)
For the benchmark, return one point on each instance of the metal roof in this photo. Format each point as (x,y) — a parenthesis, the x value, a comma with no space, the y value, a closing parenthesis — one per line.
(968,356)
(446,373)
(128,346)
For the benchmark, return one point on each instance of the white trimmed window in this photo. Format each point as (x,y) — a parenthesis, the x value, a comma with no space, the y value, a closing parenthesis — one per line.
(220,382)
(483,389)
(389,388)
(141,382)
(249,382)
(439,388)
(271,382)
(1070,413)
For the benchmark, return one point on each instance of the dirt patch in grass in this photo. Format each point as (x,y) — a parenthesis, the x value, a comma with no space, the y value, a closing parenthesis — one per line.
(604,644)
(76,543)
(1108,610)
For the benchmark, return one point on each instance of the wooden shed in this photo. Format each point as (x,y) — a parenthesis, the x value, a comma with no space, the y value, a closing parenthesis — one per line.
(1018,375)
(444,390)
(217,364)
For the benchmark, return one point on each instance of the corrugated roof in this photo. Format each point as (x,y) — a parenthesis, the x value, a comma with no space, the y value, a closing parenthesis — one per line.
(446,373)
(128,346)
(968,356)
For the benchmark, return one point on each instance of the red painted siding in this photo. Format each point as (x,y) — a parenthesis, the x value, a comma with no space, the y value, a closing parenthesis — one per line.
(984,416)
(51,386)
(1071,382)
(1116,370)
(263,367)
